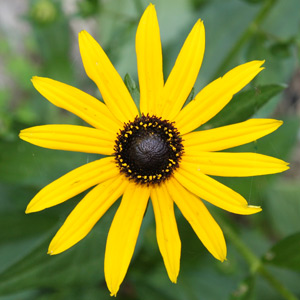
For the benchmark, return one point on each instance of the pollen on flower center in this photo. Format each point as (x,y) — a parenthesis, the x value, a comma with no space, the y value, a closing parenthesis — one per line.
(148,149)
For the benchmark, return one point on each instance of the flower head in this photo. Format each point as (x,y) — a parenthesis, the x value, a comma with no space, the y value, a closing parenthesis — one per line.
(151,153)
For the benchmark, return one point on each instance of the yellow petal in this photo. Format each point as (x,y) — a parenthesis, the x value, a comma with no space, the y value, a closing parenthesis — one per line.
(233,164)
(213,191)
(166,230)
(149,61)
(123,235)
(210,100)
(73,183)
(112,88)
(204,225)
(70,138)
(229,136)
(87,213)
(184,73)
(88,108)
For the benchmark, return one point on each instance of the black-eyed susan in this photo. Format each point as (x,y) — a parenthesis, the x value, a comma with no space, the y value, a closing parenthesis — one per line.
(152,153)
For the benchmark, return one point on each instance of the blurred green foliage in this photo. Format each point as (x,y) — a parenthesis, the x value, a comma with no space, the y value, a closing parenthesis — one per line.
(41,40)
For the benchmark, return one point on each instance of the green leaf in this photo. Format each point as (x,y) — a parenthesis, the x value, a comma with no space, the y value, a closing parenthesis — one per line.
(284,138)
(23,163)
(25,295)
(190,97)
(254,1)
(285,253)
(19,223)
(195,282)
(20,232)
(259,189)
(149,292)
(52,39)
(245,290)
(245,104)
(132,88)
(76,293)
(286,211)
(82,265)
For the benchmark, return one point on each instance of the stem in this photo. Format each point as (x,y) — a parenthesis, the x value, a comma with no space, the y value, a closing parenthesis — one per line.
(276,284)
(252,28)
(255,263)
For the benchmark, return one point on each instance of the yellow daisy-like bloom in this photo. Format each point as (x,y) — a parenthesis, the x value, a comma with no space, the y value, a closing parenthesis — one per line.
(152,153)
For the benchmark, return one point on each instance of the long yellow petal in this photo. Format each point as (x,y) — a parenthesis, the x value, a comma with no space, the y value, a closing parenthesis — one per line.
(149,61)
(229,136)
(233,164)
(73,183)
(70,138)
(112,88)
(88,108)
(184,73)
(87,213)
(204,225)
(213,191)
(123,235)
(210,100)
(166,230)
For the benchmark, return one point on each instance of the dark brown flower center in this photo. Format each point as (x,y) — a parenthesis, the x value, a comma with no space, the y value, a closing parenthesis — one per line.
(148,149)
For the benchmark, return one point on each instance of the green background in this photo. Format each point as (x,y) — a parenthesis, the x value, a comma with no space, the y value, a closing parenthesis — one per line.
(39,37)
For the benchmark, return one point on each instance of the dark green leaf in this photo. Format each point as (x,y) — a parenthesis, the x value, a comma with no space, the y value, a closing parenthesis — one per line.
(285,253)
(198,4)
(88,8)
(281,50)
(245,104)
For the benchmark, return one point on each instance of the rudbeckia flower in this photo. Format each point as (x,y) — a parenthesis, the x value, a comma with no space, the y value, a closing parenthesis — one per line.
(151,153)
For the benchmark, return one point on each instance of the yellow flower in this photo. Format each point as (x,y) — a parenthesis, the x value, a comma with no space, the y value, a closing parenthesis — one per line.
(153,153)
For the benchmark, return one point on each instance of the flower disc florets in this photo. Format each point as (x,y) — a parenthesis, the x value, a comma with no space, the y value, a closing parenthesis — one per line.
(148,149)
